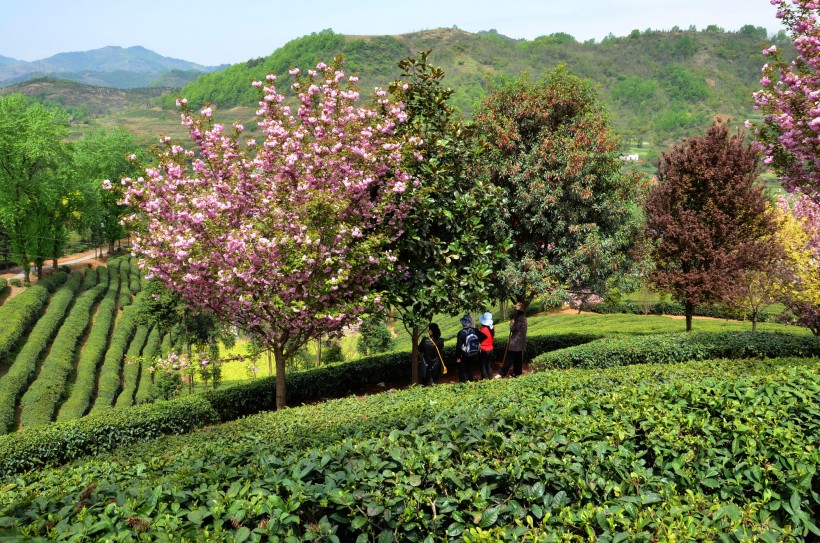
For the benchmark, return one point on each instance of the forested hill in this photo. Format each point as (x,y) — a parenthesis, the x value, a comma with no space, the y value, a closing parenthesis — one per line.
(659,85)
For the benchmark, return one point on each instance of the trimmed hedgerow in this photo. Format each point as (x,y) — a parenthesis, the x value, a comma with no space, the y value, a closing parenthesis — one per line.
(4,286)
(65,441)
(40,402)
(708,451)
(24,367)
(19,314)
(109,383)
(150,351)
(131,368)
(90,280)
(92,352)
(678,347)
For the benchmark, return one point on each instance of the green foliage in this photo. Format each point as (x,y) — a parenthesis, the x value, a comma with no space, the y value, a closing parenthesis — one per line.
(109,380)
(62,442)
(572,210)
(701,451)
(374,336)
(132,368)
(16,318)
(24,367)
(677,348)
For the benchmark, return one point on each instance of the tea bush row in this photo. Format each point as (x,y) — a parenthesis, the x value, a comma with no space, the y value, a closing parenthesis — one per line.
(40,402)
(82,389)
(152,347)
(19,314)
(24,367)
(131,368)
(721,450)
(109,383)
(678,347)
(676,308)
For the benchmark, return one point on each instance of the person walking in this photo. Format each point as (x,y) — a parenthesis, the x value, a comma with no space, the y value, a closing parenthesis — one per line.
(514,357)
(487,355)
(431,363)
(468,348)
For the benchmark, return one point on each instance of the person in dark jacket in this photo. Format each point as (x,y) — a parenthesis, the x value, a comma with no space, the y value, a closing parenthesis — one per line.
(466,361)
(487,356)
(517,343)
(431,362)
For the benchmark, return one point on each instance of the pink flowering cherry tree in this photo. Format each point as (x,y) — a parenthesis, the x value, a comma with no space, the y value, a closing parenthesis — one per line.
(789,100)
(284,235)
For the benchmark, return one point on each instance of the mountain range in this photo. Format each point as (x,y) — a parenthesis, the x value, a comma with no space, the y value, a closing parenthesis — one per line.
(116,67)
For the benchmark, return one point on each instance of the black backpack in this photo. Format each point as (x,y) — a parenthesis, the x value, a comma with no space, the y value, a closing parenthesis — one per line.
(471,344)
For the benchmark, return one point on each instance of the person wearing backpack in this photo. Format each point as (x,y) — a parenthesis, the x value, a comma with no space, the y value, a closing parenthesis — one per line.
(487,355)
(431,364)
(468,348)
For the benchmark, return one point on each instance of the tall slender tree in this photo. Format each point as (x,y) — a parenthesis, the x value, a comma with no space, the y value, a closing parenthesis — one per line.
(707,217)
(453,245)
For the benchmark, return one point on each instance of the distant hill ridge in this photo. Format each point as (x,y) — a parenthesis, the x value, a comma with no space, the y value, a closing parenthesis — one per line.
(111,66)
(659,85)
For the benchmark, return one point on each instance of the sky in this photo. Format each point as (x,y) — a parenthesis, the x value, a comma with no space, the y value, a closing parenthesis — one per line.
(214,32)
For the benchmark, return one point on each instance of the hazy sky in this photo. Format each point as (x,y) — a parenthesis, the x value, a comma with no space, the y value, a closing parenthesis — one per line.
(213,32)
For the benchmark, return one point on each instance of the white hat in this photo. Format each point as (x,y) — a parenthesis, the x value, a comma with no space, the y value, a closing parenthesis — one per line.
(487,319)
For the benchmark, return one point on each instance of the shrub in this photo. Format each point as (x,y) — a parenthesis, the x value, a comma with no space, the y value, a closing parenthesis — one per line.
(110,383)
(678,347)
(131,368)
(62,442)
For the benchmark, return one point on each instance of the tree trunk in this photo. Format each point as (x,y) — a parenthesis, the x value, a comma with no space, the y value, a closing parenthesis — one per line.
(54,262)
(281,391)
(270,364)
(754,321)
(414,357)
(39,268)
(690,310)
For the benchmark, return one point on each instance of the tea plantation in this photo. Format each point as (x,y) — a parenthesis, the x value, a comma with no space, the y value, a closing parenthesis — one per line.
(63,345)
(709,436)
(631,432)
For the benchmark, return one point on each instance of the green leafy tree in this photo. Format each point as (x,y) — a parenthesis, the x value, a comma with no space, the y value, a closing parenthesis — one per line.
(452,247)
(572,208)
(708,218)
(101,155)
(375,336)
(32,148)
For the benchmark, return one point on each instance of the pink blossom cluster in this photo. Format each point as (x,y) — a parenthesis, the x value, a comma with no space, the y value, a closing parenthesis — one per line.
(789,100)
(807,211)
(284,236)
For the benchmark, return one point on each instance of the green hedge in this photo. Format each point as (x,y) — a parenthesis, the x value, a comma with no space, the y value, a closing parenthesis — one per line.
(65,441)
(709,451)
(24,368)
(131,370)
(82,389)
(41,401)
(110,382)
(19,314)
(151,350)
(678,347)
(630,307)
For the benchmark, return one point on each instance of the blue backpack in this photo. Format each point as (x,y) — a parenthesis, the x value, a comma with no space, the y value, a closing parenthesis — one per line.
(471,346)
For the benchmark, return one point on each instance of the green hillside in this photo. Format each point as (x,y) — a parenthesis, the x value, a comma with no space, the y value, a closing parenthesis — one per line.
(659,85)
